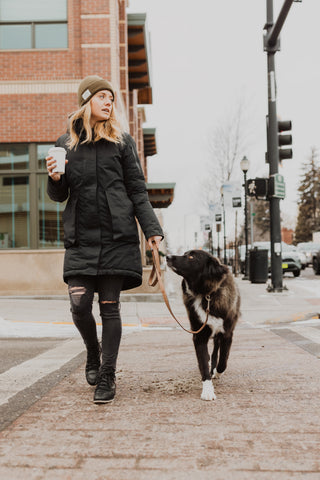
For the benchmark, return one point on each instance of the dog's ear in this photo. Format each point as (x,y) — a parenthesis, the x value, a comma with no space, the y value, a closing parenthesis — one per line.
(216,270)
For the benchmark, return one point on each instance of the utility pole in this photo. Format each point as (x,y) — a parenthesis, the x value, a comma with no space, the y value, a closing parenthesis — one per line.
(271,46)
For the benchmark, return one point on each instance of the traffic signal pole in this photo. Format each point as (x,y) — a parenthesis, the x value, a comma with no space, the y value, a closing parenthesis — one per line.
(271,46)
(273,34)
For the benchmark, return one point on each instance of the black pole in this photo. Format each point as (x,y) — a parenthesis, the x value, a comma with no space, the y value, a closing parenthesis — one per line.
(246,261)
(273,158)
(210,242)
(272,46)
(274,32)
(224,233)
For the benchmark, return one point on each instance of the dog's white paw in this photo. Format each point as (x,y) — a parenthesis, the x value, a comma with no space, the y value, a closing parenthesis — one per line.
(216,375)
(207,391)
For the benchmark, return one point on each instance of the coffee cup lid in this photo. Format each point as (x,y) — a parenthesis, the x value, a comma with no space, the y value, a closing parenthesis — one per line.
(57,148)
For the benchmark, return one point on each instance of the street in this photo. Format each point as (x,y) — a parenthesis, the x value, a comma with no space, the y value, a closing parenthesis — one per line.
(266,413)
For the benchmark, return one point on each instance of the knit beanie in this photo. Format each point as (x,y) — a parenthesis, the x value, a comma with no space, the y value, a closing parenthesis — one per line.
(91,85)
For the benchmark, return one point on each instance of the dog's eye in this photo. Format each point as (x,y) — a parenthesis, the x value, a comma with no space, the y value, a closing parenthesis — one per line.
(190,256)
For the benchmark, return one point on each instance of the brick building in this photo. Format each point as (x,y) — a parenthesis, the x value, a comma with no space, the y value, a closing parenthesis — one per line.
(46,48)
(287,235)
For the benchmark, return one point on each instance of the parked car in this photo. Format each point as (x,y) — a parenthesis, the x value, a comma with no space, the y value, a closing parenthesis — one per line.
(302,257)
(316,261)
(310,250)
(290,257)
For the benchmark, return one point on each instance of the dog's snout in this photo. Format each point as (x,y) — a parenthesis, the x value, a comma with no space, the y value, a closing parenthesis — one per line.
(170,259)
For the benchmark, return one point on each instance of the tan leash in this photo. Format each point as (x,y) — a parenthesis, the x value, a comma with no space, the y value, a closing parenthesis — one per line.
(155,277)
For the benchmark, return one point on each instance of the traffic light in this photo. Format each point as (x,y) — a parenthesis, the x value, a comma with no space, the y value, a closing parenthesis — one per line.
(284,139)
(257,187)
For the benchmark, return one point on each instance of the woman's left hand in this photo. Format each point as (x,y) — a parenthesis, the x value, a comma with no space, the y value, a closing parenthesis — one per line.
(155,238)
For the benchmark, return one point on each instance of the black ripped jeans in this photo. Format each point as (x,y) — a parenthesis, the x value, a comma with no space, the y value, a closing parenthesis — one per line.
(81,292)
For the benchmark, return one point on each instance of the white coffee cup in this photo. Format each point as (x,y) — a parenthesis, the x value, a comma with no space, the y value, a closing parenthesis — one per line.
(59,155)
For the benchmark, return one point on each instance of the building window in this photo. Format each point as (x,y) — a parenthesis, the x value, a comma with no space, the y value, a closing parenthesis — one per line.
(14,213)
(33,24)
(28,218)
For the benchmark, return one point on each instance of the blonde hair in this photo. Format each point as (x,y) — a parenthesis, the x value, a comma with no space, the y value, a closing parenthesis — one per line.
(110,130)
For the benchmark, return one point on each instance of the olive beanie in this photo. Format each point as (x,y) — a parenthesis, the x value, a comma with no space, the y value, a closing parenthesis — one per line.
(91,85)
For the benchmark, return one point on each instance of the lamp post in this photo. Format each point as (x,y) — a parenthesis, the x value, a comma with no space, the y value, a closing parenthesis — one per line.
(224,228)
(244,165)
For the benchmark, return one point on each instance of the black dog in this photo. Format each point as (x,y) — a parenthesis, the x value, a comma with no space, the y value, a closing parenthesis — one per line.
(203,276)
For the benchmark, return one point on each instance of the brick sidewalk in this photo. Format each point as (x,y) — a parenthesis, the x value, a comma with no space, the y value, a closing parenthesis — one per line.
(264,424)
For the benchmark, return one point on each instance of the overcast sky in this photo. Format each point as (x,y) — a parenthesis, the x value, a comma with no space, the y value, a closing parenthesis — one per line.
(207,56)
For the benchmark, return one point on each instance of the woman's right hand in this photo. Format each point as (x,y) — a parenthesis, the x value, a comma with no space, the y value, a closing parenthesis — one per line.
(51,163)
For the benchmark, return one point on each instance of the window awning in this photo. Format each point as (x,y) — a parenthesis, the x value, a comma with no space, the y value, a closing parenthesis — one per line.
(138,57)
(161,194)
(149,141)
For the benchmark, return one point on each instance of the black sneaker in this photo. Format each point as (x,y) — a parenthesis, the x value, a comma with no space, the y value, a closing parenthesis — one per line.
(93,365)
(106,388)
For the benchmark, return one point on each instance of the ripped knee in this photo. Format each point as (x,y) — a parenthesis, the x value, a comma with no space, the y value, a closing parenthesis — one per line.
(79,299)
(108,307)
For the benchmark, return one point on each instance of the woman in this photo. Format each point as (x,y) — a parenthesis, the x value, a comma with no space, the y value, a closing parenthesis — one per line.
(106,191)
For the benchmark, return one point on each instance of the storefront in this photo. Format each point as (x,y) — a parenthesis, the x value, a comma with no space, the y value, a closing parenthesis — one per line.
(46,48)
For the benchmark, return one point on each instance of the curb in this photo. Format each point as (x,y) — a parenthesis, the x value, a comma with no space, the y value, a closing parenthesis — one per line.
(125,297)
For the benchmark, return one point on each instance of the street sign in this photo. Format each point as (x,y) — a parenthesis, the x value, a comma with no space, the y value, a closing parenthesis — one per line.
(203,221)
(214,209)
(218,217)
(236,202)
(230,190)
(207,226)
(278,187)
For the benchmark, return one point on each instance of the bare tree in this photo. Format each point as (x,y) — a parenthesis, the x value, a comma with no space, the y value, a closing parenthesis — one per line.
(308,220)
(226,146)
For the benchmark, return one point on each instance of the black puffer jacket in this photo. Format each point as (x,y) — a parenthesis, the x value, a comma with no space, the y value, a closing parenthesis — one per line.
(106,190)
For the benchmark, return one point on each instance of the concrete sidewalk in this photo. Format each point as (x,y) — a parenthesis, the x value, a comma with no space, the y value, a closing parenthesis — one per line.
(264,424)
(51,317)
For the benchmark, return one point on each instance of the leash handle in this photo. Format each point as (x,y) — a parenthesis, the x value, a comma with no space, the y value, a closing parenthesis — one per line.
(155,277)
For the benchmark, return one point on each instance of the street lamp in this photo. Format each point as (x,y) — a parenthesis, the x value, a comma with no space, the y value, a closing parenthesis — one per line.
(244,165)
(224,228)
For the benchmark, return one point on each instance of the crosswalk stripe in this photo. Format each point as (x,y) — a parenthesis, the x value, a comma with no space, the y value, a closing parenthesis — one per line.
(308,332)
(27,373)
(298,339)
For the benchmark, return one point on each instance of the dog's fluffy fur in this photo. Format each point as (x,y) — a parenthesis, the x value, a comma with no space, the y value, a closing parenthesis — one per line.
(204,275)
